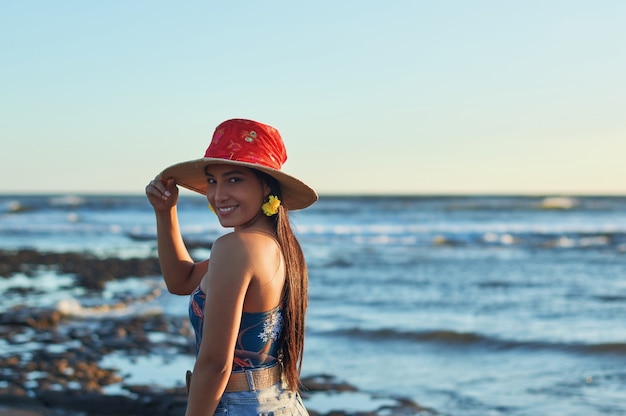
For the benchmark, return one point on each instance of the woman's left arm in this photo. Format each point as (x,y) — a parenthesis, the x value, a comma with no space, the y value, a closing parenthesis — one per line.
(225,285)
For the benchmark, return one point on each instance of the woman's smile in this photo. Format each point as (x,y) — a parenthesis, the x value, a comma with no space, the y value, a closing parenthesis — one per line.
(226,210)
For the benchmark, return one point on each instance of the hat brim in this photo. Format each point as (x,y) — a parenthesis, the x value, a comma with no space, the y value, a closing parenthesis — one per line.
(295,193)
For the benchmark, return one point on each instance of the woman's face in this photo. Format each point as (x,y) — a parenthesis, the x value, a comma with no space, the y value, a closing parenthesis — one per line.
(236,194)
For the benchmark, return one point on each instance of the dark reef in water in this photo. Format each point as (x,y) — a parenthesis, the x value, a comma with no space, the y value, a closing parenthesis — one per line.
(91,271)
(52,365)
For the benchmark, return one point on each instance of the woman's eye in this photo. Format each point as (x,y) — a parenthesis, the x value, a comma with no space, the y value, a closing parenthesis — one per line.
(211,181)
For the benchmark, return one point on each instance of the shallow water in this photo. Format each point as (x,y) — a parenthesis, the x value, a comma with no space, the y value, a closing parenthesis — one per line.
(467,305)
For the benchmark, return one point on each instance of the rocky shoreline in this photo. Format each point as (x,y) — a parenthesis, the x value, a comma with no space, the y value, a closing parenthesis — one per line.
(51,364)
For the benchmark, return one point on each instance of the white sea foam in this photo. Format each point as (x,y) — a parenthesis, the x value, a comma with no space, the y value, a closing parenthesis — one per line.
(67,200)
(558,202)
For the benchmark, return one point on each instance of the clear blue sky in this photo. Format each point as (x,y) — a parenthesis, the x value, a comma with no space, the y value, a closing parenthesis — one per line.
(370,96)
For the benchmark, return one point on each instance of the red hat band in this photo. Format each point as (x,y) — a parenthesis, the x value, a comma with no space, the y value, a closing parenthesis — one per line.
(248,141)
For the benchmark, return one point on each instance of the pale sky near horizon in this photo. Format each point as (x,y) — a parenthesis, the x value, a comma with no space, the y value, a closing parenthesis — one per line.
(411,97)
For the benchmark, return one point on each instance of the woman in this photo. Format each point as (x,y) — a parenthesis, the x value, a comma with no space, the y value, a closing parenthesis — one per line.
(249,299)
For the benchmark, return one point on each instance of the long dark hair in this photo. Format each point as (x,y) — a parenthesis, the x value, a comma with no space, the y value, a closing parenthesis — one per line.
(295,291)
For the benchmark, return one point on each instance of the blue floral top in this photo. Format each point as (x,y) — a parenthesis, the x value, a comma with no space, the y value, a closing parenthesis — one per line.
(259,332)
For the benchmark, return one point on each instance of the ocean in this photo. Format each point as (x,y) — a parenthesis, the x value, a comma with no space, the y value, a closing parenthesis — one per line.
(468,305)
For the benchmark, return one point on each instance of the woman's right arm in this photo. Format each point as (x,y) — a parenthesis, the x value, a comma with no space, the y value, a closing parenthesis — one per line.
(181,274)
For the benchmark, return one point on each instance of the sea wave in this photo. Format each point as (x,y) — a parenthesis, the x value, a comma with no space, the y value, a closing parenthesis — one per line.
(345,205)
(452,338)
(67,201)
(599,238)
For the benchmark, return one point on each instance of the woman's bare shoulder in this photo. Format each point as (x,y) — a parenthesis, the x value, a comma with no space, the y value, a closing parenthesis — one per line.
(243,244)
(246,239)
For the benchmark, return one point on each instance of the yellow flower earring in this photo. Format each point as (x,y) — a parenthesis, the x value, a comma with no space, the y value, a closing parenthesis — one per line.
(271,206)
(211,208)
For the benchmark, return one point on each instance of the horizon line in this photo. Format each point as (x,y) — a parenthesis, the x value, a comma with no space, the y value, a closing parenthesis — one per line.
(349,194)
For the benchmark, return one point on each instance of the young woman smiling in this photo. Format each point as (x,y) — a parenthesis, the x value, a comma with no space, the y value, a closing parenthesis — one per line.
(248,301)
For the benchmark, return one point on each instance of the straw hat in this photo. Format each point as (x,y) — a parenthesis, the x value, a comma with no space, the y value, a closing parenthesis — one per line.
(250,144)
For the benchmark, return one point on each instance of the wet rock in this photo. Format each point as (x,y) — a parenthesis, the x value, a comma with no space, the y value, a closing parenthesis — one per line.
(31,317)
(91,271)
(325,382)
(406,406)
(329,385)
(53,367)
(151,403)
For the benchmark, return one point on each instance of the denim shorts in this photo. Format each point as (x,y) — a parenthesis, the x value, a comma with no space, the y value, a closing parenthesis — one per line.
(272,401)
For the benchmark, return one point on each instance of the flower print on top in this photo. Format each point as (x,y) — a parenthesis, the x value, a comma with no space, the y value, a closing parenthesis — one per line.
(272,326)
(258,338)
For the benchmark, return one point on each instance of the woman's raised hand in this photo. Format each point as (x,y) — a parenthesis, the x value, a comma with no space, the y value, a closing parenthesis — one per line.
(162,193)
